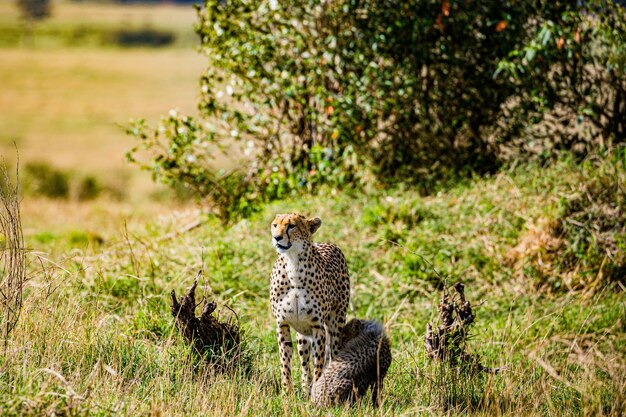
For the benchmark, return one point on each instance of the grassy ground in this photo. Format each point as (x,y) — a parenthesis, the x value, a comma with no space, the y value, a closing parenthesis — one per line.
(96,336)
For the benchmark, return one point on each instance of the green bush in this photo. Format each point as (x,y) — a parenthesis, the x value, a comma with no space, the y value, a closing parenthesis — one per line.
(42,179)
(332,93)
(89,188)
(570,74)
(32,10)
(142,37)
(81,35)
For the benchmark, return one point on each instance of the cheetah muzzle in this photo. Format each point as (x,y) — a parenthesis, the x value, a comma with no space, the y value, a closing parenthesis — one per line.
(283,248)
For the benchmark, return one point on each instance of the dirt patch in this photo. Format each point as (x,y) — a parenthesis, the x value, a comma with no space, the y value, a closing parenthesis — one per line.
(534,258)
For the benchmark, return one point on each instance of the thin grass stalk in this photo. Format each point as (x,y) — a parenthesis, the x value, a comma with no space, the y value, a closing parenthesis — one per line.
(12,254)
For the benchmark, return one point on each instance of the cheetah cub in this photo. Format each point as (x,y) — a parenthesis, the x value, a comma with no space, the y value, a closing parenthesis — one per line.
(309,292)
(361,363)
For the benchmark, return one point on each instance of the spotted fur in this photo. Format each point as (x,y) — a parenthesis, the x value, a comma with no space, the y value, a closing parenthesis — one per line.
(309,292)
(361,363)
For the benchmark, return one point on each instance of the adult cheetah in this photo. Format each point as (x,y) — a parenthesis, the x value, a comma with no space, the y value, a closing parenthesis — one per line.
(309,291)
(361,363)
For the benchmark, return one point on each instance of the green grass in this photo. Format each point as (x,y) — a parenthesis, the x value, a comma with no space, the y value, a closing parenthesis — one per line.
(96,336)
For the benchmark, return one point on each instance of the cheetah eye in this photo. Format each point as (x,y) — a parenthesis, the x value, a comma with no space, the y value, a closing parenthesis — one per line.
(291,226)
(274,225)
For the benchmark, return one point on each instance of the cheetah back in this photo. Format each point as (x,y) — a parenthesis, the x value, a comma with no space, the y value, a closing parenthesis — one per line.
(361,363)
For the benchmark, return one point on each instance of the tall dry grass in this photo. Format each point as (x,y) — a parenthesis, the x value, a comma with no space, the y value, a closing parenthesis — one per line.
(12,255)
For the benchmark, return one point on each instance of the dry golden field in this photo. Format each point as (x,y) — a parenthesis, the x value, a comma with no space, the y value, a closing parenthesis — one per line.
(65,105)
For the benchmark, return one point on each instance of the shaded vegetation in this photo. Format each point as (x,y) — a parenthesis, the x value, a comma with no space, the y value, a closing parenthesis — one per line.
(33,10)
(142,37)
(353,91)
(89,35)
(43,179)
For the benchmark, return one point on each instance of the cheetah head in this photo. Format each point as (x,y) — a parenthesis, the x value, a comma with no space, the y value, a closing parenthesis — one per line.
(356,328)
(290,232)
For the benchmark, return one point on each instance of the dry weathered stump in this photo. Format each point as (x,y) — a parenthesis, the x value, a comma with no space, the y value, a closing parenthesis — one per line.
(218,342)
(447,342)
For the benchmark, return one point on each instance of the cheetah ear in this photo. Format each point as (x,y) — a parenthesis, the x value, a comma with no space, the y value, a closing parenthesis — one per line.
(314,224)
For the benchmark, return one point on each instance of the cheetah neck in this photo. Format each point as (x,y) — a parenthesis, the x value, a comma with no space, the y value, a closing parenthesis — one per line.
(293,262)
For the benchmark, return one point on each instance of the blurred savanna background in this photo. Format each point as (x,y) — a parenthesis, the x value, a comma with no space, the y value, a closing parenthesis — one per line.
(69,81)
(438,140)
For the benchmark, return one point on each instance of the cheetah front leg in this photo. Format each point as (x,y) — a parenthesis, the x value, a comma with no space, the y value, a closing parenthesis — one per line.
(334,325)
(319,348)
(285,348)
(304,350)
